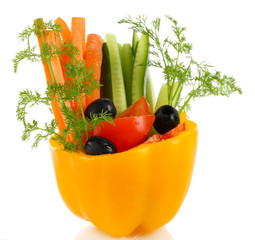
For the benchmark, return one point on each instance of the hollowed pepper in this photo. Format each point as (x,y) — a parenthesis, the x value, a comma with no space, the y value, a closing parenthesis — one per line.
(137,190)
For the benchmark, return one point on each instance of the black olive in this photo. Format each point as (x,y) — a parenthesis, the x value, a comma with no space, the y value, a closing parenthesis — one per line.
(97,145)
(101,105)
(167,118)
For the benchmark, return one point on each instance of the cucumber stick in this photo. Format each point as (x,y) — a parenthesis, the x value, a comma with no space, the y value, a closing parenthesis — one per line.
(135,41)
(106,90)
(127,63)
(117,81)
(163,95)
(140,64)
(120,50)
(150,96)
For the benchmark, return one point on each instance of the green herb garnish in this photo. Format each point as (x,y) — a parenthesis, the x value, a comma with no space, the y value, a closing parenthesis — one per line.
(81,83)
(172,54)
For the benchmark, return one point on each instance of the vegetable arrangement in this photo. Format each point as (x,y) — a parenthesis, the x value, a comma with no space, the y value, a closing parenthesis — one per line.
(78,66)
(102,98)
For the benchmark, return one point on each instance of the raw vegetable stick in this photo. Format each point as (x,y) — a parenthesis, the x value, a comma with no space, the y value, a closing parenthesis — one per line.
(135,41)
(64,58)
(139,69)
(65,33)
(56,108)
(57,71)
(127,63)
(55,62)
(150,97)
(77,42)
(55,105)
(93,58)
(113,73)
(78,24)
(66,36)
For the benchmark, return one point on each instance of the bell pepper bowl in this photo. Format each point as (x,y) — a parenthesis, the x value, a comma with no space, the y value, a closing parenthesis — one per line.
(140,189)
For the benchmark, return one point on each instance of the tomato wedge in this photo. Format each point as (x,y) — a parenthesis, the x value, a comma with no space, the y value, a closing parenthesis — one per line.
(127,132)
(138,108)
(172,133)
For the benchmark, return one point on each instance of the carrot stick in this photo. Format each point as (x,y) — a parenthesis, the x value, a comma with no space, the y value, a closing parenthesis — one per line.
(56,108)
(55,62)
(55,105)
(66,36)
(58,74)
(93,58)
(77,42)
(78,24)
(65,33)
(64,59)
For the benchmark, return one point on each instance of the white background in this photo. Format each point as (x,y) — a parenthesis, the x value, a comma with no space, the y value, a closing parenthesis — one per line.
(220,204)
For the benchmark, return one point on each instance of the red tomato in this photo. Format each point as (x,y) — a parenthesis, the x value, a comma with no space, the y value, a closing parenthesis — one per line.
(127,132)
(172,133)
(139,108)
(181,127)
(155,138)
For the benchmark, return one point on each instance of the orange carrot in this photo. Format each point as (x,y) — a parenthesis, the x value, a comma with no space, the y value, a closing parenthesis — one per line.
(56,108)
(65,33)
(66,36)
(93,58)
(78,24)
(64,59)
(58,73)
(55,63)
(55,105)
(77,42)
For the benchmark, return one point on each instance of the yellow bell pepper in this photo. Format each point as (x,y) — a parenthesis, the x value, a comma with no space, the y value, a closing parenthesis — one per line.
(137,190)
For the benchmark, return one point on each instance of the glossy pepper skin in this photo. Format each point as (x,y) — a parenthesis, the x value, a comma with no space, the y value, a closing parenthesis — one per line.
(137,190)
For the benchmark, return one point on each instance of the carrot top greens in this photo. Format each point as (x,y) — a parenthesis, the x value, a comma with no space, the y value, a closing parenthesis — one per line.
(172,54)
(80,82)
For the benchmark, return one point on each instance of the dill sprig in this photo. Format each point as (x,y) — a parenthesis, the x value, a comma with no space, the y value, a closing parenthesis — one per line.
(172,54)
(28,99)
(79,82)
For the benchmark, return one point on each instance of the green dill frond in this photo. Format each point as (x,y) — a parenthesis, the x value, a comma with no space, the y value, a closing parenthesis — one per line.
(66,145)
(28,54)
(99,119)
(172,55)
(28,99)
(40,26)
(42,134)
